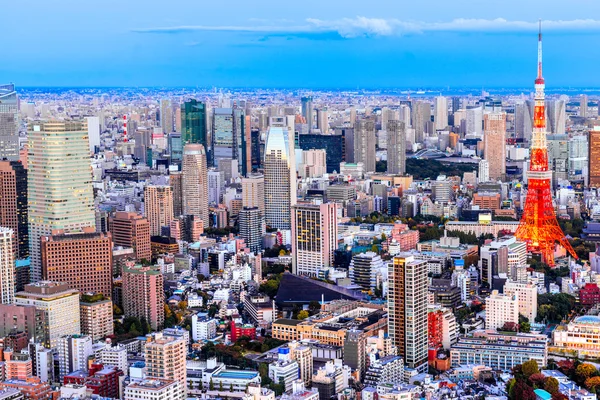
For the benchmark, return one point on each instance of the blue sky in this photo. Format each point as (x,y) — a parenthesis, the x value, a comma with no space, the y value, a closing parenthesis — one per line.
(311,44)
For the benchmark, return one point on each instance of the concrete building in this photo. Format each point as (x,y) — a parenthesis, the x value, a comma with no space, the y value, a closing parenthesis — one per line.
(131,230)
(284,369)
(13,207)
(421,115)
(440,113)
(96,317)
(303,355)
(581,335)
(314,237)
(31,388)
(396,147)
(27,319)
(115,356)
(81,260)
(203,328)
(59,182)
(73,353)
(364,144)
(594,157)
(364,269)
(194,183)
(143,294)
(500,309)
(526,295)
(253,191)
(407,309)
(158,207)
(9,122)
(250,225)
(165,358)
(154,389)
(59,304)
(312,164)
(7,266)
(388,369)
(494,149)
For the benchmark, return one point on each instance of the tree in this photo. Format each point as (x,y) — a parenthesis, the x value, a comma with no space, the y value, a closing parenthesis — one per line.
(509,327)
(584,371)
(551,385)
(522,391)
(211,385)
(537,380)
(592,383)
(231,387)
(303,314)
(314,306)
(220,386)
(529,368)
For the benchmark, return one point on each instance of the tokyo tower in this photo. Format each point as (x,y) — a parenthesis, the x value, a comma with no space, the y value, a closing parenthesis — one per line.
(539,227)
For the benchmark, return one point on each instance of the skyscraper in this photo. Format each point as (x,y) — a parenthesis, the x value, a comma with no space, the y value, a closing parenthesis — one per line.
(59,183)
(494,141)
(307,111)
(557,116)
(396,152)
(165,358)
(193,123)
(323,120)
(13,204)
(176,182)
(253,191)
(158,207)
(474,120)
(583,106)
(230,137)
(364,144)
(7,266)
(143,294)
(421,115)
(594,158)
(9,123)
(166,116)
(440,116)
(407,310)
(314,237)
(131,230)
(194,184)
(279,175)
(251,222)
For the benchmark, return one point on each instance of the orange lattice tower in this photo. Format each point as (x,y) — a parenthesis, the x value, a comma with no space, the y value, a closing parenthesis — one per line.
(539,227)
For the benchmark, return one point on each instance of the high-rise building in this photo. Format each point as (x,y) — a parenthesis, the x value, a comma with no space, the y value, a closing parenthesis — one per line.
(60,306)
(484,171)
(335,146)
(143,294)
(158,207)
(364,269)
(314,237)
(176,182)
(407,309)
(474,121)
(500,309)
(583,106)
(9,123)
(364,144)
(251,222)
(165,358)
(557,116)
(524,120)
(96,316)
(194,185)
(421,115)
(396,151)
(175,147)
(440,116)
(230,137)
(279,175)
(129,229)
(594,158)
(323,120)
(526,295)
(307,111)
(73,353)
(494,139)
(7,266)
(193,123)
(166,116)
(59,183)
(13,204)
(253,191)
(81,260)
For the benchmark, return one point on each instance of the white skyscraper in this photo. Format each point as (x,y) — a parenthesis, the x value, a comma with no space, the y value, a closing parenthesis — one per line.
(93,126)
(279,175)
(195,182)
(59,183)
(7,267)
(9,123)
(440,116)
(475,121)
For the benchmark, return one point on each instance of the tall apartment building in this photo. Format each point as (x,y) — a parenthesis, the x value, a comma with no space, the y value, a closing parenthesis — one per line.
(250,222)
(143,294)
(165,358)
(500,309)
(60,306)
(26,319)
(253,192)
(279,175)
(131,230)
(176,182)
(158,207)
(526,295)
(9,123)
(194,185)
(81,260)
(59,183)
(583,106)
(407,309)
(494,139)
(96,317)
(421,115)
(396,150)
(594,158)
(302,354)
(73,353)
(364,268)
(13,204)
(7,266)
(314,237)
(364,144)
(483,174)
(440,113)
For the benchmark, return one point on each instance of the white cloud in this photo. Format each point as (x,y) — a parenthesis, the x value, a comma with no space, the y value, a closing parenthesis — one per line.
(364,26)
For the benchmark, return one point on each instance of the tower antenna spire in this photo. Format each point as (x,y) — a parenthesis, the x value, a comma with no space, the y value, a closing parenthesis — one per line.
(540,50)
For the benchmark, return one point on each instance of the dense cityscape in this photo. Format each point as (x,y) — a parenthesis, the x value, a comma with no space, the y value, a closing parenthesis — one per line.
(248,244)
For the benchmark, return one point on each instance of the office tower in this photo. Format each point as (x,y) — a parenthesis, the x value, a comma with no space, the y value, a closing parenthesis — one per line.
(312,163)
(440,116)
(229,137)
(73,353)
(143,294)
(166,116)
(250,220)
(194,185)
(26,319)
(494,140)
(81,260)
(583,106)
(253,191)
(176,182)
(93,127)
(9,123)
(255,149)
(526,295)
(323,120)
(335,146)
(396,152)
(158,207)
(175,147)
(557,116)
(364,269)
(484,171)
(279,175)
(59,185)
(539,227)
(96,313)
(364,144)
(187,228)
(7,266)
(13,204)
(154,389)
(524,120)
(216,185)
(500,309)
(307,111)
(60,306)
(314,237)
(455,104)
(594,158)
(407,309)
(474,121)
(129,229)
(165,358)
(421,115)
(193,122)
